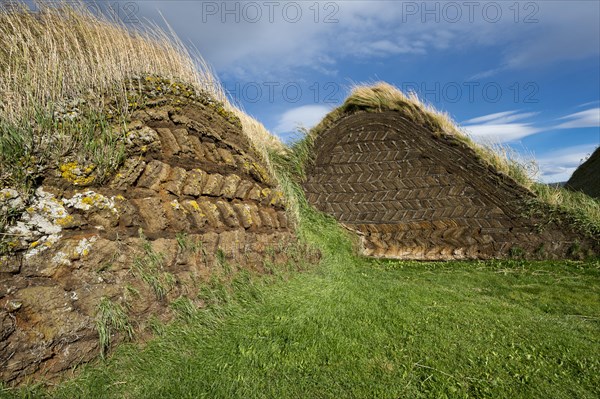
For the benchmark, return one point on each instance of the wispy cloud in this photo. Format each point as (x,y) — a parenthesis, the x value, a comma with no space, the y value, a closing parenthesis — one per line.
(500,127)
(507,126)
(489,117)
(501,133)
(587,118)
(303,116)
(501,117)
(486,74)
(588,104)
(387,47)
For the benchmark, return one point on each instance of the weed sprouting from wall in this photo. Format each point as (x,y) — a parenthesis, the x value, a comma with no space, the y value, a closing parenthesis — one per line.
(111,318)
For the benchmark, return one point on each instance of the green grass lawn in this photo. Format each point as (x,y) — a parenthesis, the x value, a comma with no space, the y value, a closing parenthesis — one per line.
(356,328)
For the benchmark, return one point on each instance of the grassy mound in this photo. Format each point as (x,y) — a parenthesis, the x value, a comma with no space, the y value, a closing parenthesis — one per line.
(587,177)
(53,61)
(69,81)
(577,208)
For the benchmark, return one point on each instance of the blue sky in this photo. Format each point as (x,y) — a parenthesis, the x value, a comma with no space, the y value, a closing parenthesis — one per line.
(526,74)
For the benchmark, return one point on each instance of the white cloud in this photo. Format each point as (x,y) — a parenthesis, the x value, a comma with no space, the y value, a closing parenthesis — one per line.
(558,166)
(555,166)
(489,118)
(501,133)
(587,118)
(385,47)
(588,104)
(486,74)
(501,117)
(303,116)
(499,127)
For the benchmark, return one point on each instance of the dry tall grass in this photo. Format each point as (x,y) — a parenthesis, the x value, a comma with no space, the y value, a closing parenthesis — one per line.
(61,57)
(64,51)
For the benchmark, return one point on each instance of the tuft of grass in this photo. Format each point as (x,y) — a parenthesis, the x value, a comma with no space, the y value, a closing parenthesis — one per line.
(223,267)
(111,318)
(583,210)
(262,139)
(184,308)
(89,143)
(150,268)
(187,244)
(289,169)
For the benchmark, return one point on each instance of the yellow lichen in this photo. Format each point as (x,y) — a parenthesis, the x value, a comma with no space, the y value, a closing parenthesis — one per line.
(77,175)
(264,175)
(277,196)
(194,205)
(265,192)
(175,204)
(65,220)
(34,244)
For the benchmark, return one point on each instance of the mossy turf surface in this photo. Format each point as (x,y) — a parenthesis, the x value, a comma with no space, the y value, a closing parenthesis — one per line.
(363,328)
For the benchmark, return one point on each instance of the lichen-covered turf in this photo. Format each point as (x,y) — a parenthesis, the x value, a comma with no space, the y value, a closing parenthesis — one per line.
(355,328)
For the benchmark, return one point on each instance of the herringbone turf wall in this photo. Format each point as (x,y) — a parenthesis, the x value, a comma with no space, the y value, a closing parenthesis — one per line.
(410,194)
